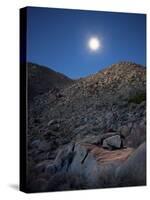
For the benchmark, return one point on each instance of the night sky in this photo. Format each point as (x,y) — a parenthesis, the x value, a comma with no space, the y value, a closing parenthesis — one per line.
(58,39)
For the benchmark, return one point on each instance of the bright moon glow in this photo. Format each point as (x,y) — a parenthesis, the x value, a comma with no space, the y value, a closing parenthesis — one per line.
(94,44)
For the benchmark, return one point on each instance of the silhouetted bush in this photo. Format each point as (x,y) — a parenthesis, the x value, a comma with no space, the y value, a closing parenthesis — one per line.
(137,98)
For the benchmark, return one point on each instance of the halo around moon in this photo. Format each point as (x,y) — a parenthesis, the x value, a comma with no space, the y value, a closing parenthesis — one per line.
(94,43)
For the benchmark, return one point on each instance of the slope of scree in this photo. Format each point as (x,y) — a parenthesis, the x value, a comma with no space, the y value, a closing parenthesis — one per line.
(107,109)
(41,79)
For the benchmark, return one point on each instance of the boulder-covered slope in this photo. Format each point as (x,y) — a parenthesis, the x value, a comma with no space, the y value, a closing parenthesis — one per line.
(90,133)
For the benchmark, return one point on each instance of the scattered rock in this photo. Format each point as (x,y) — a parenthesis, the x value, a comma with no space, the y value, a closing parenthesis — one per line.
(55,127)
(35,143)
(113,142)
(44,146)
(82,129)
(91,139)
(51,169)
(95,111)
(53,121)
(124,131)
(41,167)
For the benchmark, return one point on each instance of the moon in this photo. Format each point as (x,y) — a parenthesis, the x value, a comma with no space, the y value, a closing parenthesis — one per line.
(94,43)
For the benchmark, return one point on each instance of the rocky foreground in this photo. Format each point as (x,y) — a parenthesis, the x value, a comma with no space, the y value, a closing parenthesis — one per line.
(87,133)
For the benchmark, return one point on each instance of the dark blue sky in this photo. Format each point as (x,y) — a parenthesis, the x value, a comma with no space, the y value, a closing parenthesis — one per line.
(58,38)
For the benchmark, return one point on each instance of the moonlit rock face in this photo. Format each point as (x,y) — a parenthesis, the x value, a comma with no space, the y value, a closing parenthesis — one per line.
(94,44)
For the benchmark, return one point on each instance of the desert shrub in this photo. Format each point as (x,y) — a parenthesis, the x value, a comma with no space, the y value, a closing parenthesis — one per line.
(137,98)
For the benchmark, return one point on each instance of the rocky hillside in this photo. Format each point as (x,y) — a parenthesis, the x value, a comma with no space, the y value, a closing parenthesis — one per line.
(90,133)
(41,79)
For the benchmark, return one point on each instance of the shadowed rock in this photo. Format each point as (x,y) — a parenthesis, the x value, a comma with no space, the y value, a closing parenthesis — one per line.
(113,142)
(133,171)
